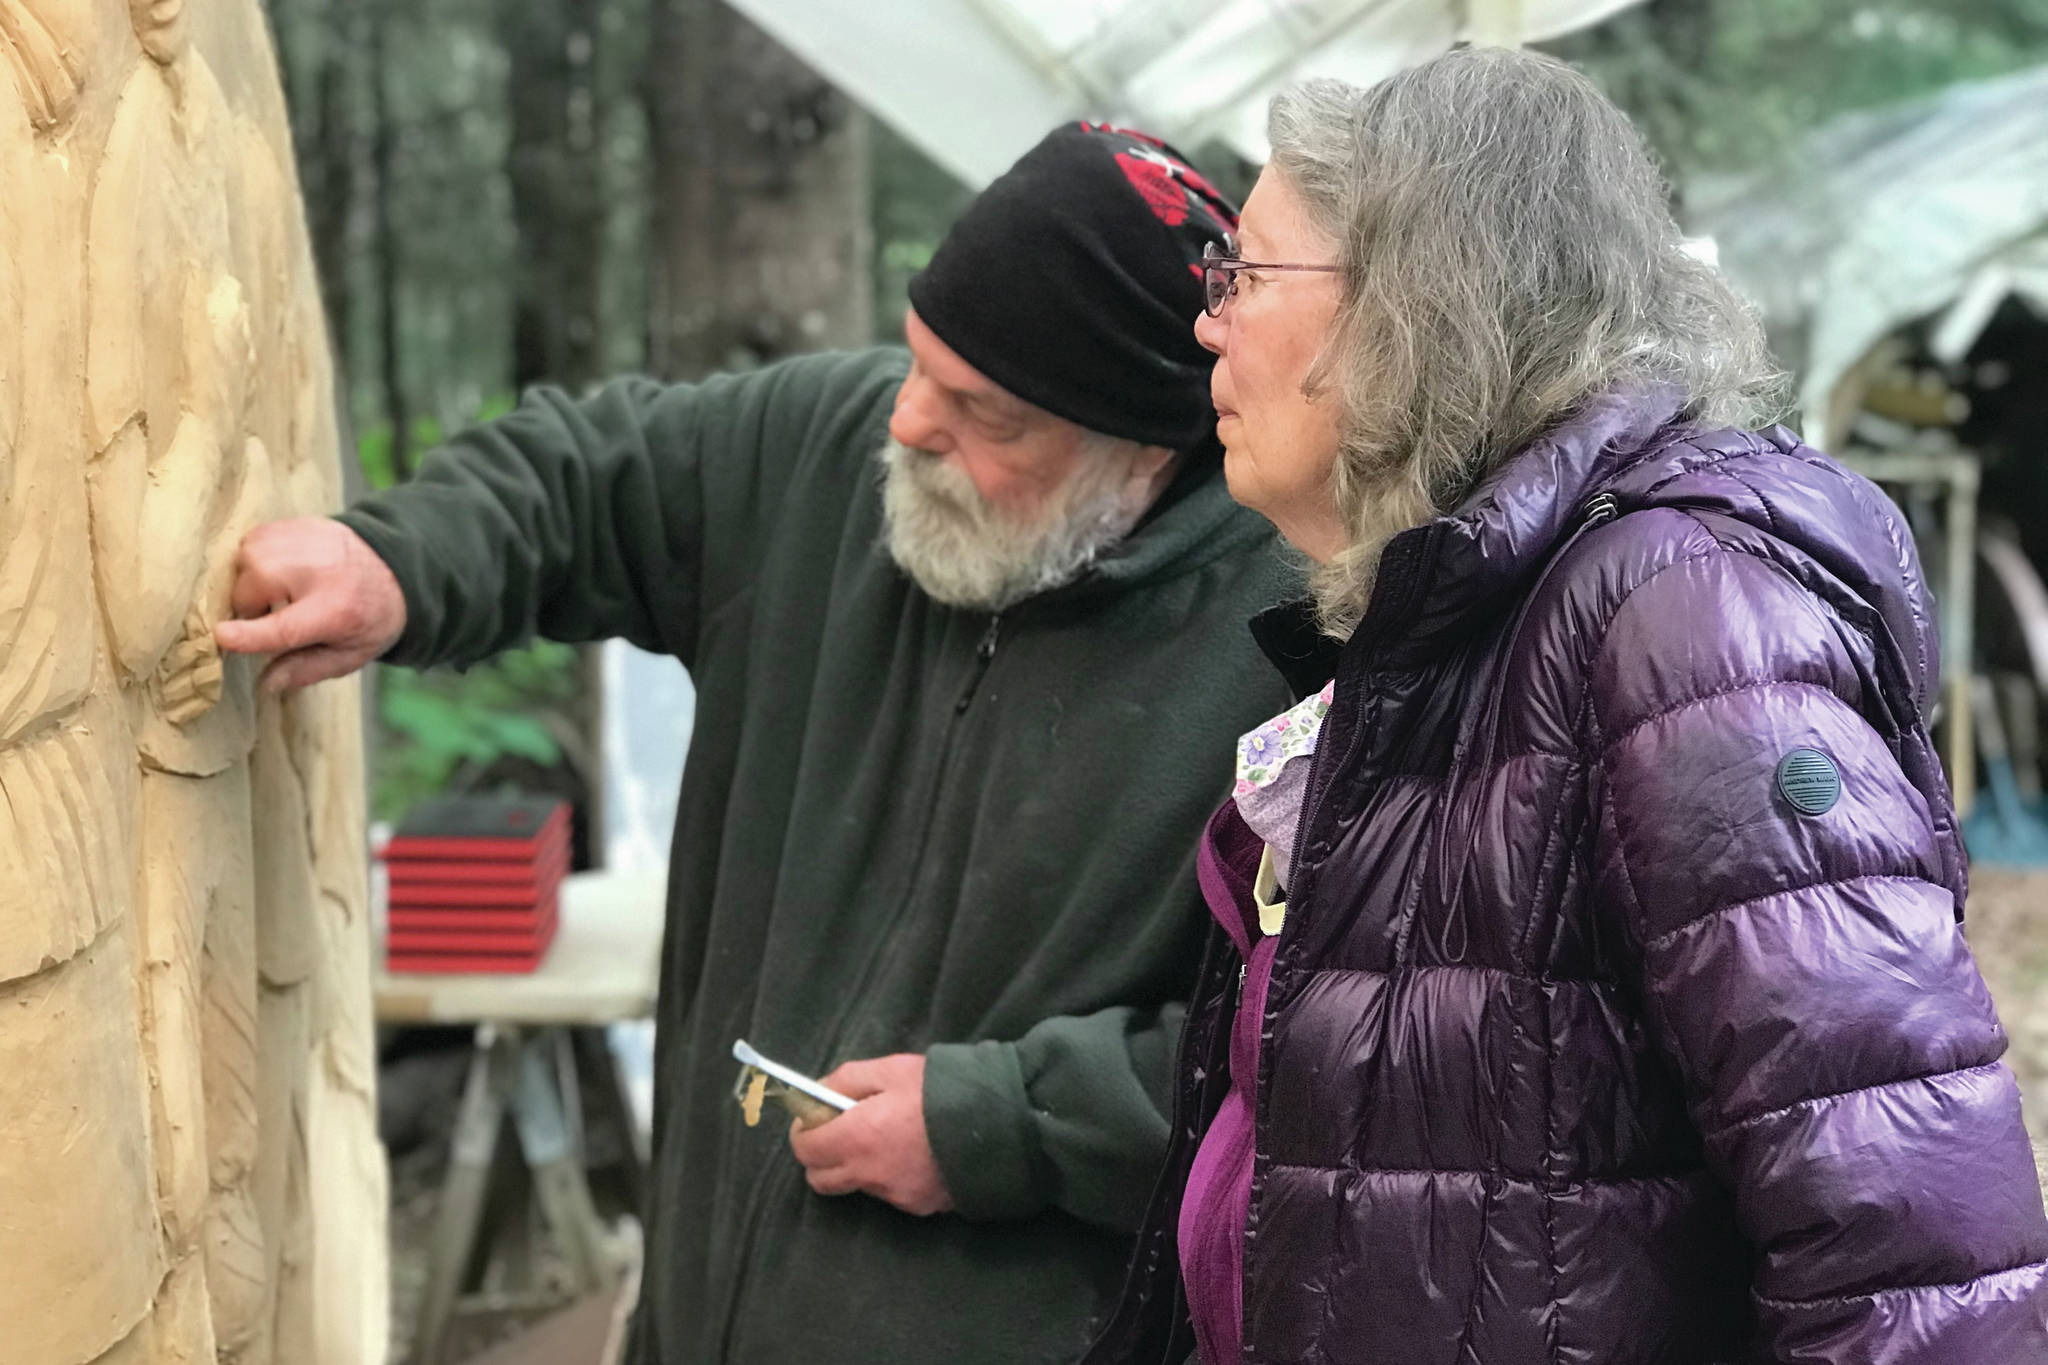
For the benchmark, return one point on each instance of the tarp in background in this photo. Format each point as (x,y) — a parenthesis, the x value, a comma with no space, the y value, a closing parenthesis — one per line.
(976,83)
(1935,208)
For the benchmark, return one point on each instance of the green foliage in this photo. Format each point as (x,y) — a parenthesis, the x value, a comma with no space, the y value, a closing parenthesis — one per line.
(438,725)
(373,453)
(373,447)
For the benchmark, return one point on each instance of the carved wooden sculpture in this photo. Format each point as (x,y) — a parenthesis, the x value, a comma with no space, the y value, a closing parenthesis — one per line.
(188,1161)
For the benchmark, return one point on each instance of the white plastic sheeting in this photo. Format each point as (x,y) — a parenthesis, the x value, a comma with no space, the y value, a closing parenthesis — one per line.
(976,83)
(1936,208)
(649,709)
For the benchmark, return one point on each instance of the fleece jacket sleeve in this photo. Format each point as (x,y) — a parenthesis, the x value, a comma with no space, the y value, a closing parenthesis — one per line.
(1073,1115)
(635,512)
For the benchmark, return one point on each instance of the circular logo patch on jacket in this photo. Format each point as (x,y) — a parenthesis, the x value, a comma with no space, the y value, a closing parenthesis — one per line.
(1810,781)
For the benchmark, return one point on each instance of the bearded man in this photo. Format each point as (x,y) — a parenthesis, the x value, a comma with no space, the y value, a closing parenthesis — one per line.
(967,627)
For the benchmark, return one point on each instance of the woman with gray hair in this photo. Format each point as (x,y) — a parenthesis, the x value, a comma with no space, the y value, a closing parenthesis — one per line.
(1590,984)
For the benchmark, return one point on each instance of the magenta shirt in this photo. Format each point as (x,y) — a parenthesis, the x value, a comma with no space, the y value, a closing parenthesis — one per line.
(1217,1202)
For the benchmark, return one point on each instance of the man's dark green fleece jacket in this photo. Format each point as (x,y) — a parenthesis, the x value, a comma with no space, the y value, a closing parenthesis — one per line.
(903,828)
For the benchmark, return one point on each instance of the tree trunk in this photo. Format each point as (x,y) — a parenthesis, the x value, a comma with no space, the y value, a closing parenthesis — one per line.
(384,160)
(558,199)
(330,157)
(760,233)
(287,18)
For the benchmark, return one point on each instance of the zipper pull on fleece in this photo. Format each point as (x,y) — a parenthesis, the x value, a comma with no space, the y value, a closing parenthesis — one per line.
(984,654)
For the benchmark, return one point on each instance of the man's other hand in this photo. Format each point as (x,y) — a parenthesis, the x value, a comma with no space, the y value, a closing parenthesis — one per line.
(879,1146)
(311,592)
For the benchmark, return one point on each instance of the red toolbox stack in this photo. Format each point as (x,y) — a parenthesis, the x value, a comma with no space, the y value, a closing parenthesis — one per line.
(476,884)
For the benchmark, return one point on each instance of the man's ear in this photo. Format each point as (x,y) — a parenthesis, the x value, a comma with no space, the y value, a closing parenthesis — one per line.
(1152,469)
(1153,462)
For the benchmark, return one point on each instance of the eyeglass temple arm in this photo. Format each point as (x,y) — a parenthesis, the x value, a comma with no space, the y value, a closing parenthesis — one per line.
(1269,265)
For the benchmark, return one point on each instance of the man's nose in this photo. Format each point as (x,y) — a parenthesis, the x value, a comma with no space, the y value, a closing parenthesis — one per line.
(918,419)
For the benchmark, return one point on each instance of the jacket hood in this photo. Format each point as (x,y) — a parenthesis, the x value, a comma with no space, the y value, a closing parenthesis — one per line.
(1626,452)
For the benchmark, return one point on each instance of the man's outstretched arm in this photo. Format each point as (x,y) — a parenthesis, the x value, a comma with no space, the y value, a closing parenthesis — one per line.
(632,513)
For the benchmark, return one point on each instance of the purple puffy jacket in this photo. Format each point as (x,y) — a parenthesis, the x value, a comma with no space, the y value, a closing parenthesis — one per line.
(1592,1037)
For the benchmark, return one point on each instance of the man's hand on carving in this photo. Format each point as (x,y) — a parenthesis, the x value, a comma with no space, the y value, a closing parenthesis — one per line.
(879,1146)
(312,593)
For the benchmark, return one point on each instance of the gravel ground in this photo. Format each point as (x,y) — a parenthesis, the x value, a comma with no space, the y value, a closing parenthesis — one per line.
(2007,924)
(415,1184)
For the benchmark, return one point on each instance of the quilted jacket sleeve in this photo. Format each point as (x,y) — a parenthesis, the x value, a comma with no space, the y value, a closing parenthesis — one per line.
(1807,975)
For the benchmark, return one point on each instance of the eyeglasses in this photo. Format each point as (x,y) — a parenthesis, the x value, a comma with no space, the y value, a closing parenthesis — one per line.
(1219,273)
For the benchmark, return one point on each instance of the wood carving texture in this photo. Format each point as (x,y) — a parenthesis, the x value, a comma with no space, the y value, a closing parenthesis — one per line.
(189,1172)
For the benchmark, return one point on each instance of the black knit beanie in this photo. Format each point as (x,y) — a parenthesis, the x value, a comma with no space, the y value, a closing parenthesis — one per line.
(1074,281)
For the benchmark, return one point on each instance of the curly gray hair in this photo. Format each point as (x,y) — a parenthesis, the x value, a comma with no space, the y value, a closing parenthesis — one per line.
(1508,253)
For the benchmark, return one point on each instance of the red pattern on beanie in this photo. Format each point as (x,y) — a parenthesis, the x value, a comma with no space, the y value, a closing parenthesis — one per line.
(1194,178)
(1171,188)
(1154,180)
(1132,133)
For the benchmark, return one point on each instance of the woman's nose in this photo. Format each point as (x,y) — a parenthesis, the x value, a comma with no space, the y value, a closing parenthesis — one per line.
(1210,332)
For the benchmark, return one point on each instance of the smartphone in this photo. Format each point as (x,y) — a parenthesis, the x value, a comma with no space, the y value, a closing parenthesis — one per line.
(807,1101)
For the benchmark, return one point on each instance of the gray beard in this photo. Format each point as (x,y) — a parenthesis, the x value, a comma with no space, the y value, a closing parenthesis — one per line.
(967,553)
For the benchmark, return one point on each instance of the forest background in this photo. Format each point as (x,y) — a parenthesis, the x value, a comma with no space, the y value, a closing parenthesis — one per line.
(511,192)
